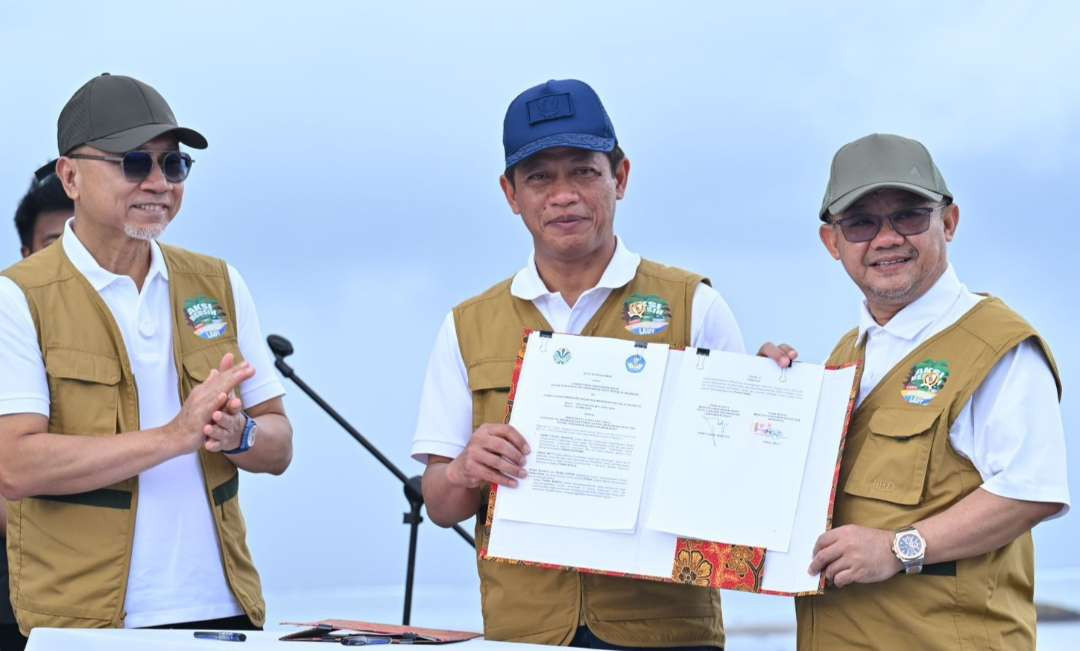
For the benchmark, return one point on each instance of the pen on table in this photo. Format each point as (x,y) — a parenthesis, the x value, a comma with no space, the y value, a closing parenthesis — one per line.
(220,636)
(364,640)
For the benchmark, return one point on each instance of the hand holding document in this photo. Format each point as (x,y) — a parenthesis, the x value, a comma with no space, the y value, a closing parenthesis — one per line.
(639,450)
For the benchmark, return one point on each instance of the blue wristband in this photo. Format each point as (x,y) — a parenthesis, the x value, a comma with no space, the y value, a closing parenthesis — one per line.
(247,439)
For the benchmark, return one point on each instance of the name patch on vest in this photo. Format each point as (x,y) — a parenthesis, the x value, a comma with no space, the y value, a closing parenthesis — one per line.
(927,378)
(646,314)
(205,317)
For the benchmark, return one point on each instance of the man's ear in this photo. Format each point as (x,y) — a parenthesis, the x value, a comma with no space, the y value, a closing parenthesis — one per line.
(510,192)
(68,173)
(622,178)
(829,234)
(950,217)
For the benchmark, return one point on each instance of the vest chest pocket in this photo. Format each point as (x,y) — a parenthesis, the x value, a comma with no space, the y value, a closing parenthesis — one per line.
(199,363)
(84,392)
(892,463)
(489,382)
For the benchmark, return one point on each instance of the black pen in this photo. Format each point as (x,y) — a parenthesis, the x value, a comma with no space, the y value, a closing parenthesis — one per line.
(365,640)
(220,636)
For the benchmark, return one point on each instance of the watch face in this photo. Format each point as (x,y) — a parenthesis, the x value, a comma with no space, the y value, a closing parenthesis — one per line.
(910,545)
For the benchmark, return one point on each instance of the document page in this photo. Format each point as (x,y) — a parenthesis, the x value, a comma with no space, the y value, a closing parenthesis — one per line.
(734,449)
(587,407)
(644,552)
(786,571)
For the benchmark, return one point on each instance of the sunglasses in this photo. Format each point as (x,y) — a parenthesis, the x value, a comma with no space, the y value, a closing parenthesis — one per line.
(862,227)
(137,165)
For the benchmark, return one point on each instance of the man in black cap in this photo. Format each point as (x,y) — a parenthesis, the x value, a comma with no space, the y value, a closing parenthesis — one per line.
(125,408)
(39,220)
(564,174)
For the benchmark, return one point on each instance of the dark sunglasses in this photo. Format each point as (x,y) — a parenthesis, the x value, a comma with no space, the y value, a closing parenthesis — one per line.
(137,165)
(862,227)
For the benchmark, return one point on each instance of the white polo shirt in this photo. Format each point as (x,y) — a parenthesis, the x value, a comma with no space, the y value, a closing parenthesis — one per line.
(1011,429)
(444,424)
(176,569)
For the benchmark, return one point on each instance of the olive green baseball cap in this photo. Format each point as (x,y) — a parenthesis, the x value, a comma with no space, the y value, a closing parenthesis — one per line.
(881,160)
(116,114)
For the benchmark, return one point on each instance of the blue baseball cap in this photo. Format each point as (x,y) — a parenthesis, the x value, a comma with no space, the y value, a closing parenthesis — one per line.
(560,113)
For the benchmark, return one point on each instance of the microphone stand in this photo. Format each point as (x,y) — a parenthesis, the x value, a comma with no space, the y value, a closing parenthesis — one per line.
(282,348)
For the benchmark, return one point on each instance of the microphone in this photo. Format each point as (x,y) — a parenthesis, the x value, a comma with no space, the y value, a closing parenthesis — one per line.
(282,348)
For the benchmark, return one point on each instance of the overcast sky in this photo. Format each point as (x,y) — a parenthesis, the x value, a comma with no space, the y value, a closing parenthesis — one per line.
(352,179)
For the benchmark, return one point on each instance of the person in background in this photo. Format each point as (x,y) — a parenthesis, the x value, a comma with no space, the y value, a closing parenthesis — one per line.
(42,211)
(39,220)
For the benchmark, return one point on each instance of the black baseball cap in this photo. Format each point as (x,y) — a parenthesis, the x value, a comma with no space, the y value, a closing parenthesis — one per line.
(116,114)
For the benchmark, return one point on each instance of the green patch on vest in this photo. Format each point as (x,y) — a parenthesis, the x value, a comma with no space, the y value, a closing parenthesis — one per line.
(646,314)
(205,316)
(927,378)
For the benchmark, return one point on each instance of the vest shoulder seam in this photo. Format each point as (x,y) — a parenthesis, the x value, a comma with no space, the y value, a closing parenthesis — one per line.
(666,272)
(183,261)
(1000,313)
(492,293)
(37,271)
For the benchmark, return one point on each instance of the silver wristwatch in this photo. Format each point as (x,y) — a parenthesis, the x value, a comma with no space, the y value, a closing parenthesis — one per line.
(910,548)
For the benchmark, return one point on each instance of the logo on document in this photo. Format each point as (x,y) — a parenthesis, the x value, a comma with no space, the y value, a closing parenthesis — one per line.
(562,356)
(205,316)
(928,377)
(646,314)
(635,363)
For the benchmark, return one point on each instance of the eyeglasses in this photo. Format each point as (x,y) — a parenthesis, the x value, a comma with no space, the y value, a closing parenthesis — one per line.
(137,165)
(862,227)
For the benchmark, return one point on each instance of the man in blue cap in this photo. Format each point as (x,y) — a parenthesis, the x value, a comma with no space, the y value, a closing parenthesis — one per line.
(564,174)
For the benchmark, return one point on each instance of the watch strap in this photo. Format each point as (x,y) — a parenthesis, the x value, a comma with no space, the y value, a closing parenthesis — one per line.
(245,438)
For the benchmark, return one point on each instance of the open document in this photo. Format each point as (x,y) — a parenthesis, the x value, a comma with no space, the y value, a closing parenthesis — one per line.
(740,427)
(701,467)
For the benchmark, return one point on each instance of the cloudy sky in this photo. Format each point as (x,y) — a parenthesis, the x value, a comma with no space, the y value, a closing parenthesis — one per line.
(352,178)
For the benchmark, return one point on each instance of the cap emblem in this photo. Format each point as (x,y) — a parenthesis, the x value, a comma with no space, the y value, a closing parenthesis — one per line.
(550,107)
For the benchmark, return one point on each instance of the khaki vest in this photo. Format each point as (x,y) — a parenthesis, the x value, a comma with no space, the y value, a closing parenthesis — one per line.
(70,554)
(898,468)
(528,604)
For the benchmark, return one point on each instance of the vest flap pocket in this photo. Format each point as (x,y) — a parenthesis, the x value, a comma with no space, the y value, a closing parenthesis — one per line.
(491,374)
(62,363)
(892,463)
(199,363)
(902,423)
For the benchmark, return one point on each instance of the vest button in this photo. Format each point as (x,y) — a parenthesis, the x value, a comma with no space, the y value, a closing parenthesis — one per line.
(146,328)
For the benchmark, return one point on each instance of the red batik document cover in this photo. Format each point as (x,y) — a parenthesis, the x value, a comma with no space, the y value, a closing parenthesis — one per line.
(693,482)
(351,632)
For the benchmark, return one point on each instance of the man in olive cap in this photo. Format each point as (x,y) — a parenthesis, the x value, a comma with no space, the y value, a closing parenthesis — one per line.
(956,447)
(564,173)
(134,383)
